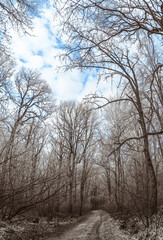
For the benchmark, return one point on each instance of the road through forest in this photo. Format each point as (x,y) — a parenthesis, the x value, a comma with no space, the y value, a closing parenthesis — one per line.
(98,226)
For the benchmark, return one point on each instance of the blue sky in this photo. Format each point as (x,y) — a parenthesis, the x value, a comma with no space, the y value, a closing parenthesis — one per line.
(38,51)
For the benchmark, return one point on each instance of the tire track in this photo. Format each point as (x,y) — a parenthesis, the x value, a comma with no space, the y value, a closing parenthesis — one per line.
(94,235)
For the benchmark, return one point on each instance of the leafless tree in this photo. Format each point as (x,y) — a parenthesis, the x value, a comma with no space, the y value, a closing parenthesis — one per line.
(73,133)
(31,101)
(6,68)
(103,35)
(17,15)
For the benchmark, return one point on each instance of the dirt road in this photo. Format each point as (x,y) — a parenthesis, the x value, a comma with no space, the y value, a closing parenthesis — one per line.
(87,230)
(98,226)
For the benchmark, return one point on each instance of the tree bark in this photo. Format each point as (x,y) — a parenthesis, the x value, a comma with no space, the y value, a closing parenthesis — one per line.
(151,181)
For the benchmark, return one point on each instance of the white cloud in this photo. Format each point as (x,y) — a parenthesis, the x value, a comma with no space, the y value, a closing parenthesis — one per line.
(38,51)
(69,85)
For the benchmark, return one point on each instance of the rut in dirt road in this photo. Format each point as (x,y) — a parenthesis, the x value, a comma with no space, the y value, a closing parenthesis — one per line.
(94,235)
(87,230)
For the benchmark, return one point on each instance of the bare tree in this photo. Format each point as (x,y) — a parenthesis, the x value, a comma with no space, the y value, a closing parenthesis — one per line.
(18,15)
(105,38)
(74,139)
(6,68)
(31,100)
(88,150)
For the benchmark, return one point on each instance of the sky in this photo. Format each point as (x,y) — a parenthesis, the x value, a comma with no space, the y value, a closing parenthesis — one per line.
(39,50)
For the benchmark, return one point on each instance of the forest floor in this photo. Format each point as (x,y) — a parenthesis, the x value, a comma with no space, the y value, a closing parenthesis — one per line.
(101,226)
(97,225)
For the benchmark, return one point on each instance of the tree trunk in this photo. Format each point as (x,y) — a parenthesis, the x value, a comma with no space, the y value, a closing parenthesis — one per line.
(151,181)
(81,197)
(70,197)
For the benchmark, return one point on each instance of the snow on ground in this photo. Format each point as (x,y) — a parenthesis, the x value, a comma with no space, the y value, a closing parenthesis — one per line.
(111,230)
(97,225)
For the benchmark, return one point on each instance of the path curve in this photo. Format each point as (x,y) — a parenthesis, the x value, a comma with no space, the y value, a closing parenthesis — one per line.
(87,230)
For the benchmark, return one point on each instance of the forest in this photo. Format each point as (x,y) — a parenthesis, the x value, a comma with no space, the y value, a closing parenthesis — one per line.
(69,158)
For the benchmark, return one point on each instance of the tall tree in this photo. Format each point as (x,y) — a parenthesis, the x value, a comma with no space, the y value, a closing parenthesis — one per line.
(105,38)
(74,138)
(31,100)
